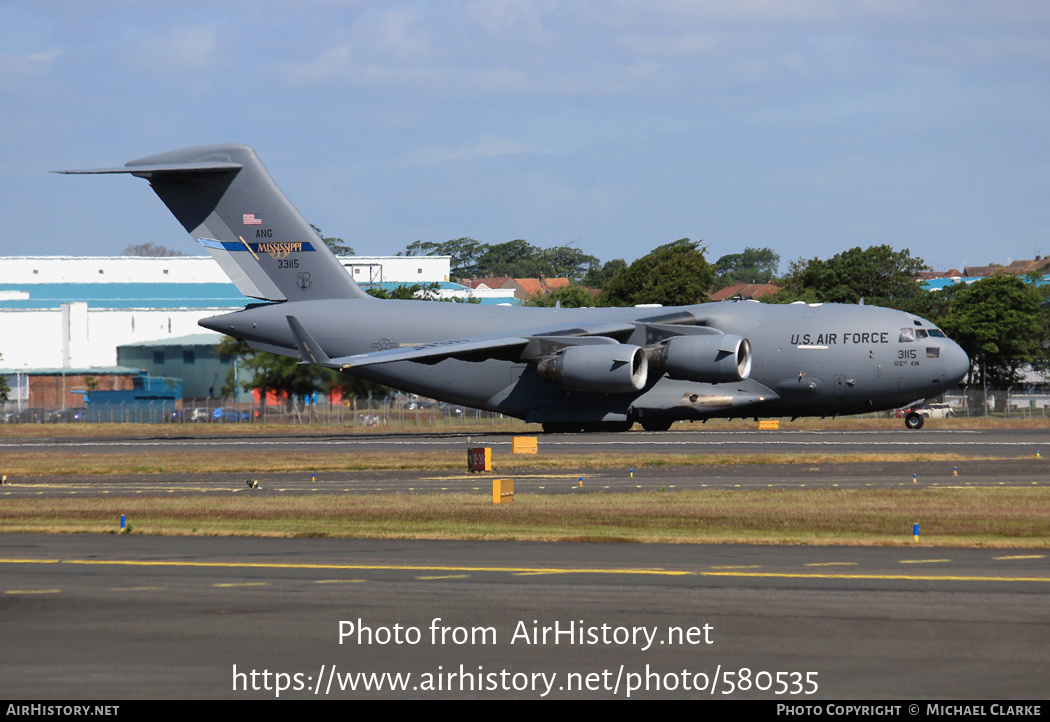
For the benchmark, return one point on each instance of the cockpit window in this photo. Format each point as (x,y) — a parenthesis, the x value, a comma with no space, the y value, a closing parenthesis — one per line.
(937,333)
(920,333)
(907,335)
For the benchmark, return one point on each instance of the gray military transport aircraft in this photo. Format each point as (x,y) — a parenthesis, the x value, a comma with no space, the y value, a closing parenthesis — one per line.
(568,369)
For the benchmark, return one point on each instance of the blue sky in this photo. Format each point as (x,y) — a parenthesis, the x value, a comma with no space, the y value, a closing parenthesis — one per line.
(809,126)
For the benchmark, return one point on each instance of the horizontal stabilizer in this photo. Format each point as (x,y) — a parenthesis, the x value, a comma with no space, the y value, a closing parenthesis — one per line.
(146,171)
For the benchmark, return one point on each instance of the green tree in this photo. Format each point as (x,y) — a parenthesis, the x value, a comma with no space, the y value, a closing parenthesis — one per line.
(754,265)
(598,275)
(5,390)
(1041,333)
(568,297)
(675,274)
(517,259)
(337,245)
(463,254)
(417,292)
(567,262)
(151,250)
(878,274)
(999,324)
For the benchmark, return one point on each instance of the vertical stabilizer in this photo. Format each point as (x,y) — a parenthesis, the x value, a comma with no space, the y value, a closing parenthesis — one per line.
(225,198)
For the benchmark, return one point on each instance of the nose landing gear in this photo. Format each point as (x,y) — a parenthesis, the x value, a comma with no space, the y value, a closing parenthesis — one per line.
(913,420)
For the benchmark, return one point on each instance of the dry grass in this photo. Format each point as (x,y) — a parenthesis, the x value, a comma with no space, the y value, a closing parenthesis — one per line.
(948,517)
(49,463)
(65,463)
(843,423)
(176,431)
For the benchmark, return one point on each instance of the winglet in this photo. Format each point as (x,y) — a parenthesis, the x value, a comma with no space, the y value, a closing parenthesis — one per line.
(309,350)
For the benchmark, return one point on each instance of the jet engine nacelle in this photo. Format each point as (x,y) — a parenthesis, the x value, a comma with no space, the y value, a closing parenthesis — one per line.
(716,358)
(606,368)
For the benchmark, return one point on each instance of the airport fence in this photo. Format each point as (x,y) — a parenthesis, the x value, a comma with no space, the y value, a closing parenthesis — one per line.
(1002,403)
(374,413)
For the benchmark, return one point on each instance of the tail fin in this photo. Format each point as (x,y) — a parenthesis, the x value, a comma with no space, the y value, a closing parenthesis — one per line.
(225,198)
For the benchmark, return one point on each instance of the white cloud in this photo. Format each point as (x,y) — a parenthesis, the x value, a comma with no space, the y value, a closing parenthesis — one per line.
(485,147)
(975,51)
(685,45)
(523,18)
(15,69)
(332,63)
(401,34)
(180,50)
(340,65)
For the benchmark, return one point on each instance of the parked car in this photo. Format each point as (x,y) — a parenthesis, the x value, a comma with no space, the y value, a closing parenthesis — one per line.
(66,416)
(25,416)
(937,411)
(230,415)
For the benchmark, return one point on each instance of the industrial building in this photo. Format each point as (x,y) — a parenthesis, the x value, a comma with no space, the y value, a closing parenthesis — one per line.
(69,315)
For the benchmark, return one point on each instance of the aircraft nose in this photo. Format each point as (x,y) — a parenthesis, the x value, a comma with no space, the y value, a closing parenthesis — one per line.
(956,362)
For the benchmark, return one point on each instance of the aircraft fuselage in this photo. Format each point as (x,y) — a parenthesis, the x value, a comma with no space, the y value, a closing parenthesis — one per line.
(816,359)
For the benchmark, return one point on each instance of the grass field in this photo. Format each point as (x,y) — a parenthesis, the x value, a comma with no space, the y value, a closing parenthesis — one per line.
(997,517)
(1009,517)
(68,463)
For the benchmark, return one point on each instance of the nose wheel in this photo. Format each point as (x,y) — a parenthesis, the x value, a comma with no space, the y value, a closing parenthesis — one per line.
(913,420)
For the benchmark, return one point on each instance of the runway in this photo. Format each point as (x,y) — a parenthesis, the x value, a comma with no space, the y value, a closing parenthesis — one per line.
(130,617)
(558,480)
(124,617)
(718,437)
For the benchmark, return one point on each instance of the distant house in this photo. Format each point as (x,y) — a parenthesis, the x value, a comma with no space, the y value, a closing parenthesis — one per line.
(524,288)
(930,275)
(483,284)
(746,291)
(1017,268)
(937,280)
(529,287)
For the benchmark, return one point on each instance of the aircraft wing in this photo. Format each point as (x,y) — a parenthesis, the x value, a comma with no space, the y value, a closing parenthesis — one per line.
(433,352)
(528,345)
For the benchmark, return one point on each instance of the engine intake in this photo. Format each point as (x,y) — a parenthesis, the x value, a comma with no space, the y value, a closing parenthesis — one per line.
(607,368)
(709,358)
